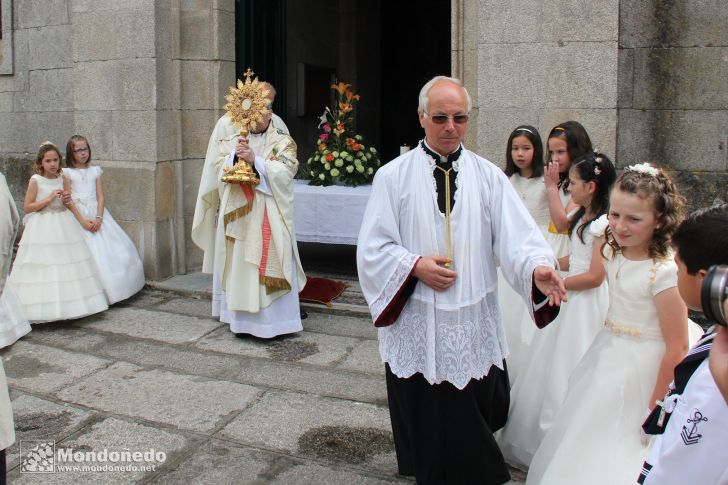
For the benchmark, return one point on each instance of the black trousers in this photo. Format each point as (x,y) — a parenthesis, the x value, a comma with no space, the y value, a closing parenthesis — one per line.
(3,468)
(443,435)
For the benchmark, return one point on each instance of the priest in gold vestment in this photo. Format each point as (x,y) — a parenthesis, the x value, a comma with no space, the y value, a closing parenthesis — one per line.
(246,232)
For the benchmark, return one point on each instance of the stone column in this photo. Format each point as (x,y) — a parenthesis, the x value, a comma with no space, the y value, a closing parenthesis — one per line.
(119,106)
(150,80)
(207,65)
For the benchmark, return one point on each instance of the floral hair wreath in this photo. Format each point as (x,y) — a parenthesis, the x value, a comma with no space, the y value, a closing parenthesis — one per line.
(645,168)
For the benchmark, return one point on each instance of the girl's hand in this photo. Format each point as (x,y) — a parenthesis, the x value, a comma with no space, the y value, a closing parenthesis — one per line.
(551,175)
(66,197)
(53,195)
(95,225)
(88,225)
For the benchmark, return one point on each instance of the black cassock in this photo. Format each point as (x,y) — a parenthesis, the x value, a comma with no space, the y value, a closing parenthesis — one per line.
(445,435)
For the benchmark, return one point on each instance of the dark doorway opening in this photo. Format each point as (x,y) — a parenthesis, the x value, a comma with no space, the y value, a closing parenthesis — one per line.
(415,48)
(260,43)
(387,49)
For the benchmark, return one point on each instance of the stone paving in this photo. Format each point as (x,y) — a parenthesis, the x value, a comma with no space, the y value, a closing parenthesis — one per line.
(157,373)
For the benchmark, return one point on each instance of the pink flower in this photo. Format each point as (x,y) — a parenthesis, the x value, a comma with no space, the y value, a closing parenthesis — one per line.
(323,136)
(327,128)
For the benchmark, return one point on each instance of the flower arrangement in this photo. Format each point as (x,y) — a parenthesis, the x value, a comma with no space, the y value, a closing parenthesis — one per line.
(341,155)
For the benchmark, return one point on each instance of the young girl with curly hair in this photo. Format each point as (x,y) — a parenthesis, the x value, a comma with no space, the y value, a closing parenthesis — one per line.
(596,437)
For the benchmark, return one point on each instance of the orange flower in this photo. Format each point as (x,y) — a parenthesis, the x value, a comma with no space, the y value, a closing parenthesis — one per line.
(322,146)
(345,107)
(356,147)
(341,87)
(349,142)
(329,157)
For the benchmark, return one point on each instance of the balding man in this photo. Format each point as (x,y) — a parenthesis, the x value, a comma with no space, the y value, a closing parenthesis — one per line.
(437,219)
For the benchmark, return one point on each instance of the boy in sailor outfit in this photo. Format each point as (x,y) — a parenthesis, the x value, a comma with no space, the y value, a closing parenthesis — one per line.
(691,423)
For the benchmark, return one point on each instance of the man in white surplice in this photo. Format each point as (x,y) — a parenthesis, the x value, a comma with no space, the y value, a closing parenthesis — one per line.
(440,332)
(247,234)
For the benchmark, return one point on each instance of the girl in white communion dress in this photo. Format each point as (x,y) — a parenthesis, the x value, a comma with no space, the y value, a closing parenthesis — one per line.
(122,273)
(524,168)
(596,437)
(539,391)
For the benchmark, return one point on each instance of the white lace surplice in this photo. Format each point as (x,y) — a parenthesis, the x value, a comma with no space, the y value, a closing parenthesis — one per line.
(455,335)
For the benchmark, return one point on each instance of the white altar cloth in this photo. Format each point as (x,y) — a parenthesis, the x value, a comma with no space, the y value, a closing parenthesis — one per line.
(331,214)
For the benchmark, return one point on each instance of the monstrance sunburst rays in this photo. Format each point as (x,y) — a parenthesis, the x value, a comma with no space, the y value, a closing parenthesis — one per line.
(246,106)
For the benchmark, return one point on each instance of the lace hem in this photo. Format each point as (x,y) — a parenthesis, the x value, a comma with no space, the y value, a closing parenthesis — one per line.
(403,270)
(453,346)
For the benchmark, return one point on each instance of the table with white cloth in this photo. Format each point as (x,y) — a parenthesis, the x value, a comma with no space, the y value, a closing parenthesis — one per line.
(331,214)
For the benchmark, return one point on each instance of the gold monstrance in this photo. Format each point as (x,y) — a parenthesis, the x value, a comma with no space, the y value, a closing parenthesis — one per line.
(247,104)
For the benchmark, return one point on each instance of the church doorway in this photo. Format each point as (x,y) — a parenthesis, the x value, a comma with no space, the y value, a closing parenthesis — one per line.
(386,49)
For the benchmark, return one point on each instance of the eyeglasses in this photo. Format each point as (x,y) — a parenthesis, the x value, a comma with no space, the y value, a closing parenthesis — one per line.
(442,119)
(80,150)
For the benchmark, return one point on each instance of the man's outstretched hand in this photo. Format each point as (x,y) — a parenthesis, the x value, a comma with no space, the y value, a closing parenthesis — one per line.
(549,282)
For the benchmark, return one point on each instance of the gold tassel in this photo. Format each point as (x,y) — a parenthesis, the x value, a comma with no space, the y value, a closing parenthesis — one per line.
(273,284)
(238,213)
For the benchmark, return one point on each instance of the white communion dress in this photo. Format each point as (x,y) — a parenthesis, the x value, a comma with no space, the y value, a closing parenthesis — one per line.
(559,241)
(517,321)
(54,273)
(122,273)
(13,323)
(539,390)
(595,437)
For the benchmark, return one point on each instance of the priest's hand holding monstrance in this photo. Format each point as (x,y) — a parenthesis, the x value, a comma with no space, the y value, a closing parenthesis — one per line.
(246,107)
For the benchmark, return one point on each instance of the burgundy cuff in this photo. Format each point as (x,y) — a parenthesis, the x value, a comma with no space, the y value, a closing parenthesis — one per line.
(391,312)
(547,313)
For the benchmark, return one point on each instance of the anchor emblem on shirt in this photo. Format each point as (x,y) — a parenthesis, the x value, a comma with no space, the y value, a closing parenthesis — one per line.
(691,436)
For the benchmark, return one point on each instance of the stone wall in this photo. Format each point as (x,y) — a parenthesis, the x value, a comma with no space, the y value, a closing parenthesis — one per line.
(673,91)
(145,81)
(539,62)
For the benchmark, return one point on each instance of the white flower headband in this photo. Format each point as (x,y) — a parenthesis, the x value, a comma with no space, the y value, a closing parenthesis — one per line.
(643,168)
